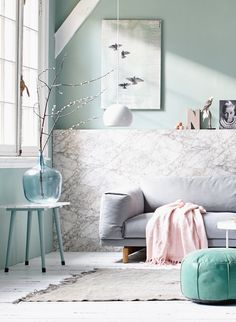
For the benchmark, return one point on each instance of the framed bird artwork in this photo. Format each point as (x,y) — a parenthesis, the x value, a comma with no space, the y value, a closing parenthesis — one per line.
(135,58)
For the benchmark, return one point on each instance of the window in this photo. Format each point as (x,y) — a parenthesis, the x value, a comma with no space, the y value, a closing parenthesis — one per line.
(23,53)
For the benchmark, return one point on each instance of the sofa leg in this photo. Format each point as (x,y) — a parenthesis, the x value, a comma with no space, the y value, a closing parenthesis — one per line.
(125,255)
(127,251)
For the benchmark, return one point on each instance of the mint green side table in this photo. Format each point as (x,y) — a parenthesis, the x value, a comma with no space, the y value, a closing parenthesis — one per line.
(39,208)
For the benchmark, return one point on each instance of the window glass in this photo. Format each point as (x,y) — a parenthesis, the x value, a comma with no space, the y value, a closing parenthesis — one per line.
(8,39)
(7,82)
(30,73)
(30,120)
(31,14)
(18,109)
(8,9)
(7,124)
(8,72)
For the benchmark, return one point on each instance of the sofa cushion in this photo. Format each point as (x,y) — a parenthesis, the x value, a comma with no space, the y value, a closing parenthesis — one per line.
(135,227)
(116,207)
(211,219)
(213,193)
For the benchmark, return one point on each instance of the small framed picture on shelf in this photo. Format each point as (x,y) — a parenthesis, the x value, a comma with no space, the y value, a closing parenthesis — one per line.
(227,119)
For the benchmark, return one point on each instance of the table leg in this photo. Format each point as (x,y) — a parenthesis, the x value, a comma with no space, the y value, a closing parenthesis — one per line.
(56,216)
(41,237)
(12,223)
(227,238)
(29,224)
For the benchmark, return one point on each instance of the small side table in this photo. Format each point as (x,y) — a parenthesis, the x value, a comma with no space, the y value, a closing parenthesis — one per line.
(39,208)
(227,225)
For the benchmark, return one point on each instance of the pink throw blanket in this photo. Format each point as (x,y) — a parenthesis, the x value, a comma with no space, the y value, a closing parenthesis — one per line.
(175,230)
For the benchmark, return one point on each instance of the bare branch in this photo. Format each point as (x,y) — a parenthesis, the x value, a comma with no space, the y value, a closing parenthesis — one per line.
(85,82)
(73,127)
(46,104)
(59,116)
(63,111)
(86,101)
(42,81)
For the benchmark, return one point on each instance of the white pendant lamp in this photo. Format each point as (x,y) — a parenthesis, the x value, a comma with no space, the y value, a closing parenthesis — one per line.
(117,114)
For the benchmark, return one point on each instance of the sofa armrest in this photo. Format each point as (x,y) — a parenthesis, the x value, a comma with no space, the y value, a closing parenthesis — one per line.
(116,207)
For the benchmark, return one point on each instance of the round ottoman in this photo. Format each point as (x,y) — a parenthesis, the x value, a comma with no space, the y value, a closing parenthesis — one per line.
(209,275)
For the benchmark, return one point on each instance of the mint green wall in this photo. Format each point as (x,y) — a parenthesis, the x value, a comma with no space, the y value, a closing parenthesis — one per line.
(198,58)
(11,191)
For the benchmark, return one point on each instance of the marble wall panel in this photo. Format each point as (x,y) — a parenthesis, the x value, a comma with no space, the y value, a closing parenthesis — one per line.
(92,161)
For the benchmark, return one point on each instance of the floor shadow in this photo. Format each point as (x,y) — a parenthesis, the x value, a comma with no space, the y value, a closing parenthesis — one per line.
(139,256)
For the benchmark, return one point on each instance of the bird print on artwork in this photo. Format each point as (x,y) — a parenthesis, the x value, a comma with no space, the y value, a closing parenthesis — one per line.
(124,54)
(135,80)
(115,46)
(124,85)
(23,87)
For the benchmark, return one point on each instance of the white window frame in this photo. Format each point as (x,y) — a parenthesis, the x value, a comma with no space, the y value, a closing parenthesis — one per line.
(10,158)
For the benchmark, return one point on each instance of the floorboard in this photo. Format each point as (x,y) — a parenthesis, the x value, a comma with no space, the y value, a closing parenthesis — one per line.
(22,280)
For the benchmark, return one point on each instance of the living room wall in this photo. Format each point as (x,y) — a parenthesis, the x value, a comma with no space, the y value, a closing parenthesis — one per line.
(11,191)
(198,57)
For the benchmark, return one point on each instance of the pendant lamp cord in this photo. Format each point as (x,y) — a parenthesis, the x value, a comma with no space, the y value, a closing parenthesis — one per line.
(118,51)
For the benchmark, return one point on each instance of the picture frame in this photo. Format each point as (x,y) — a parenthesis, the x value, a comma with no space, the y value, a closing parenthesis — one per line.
(136,79)
(227,114)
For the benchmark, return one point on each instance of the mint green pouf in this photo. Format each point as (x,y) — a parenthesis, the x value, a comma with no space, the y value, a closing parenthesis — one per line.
(209,275)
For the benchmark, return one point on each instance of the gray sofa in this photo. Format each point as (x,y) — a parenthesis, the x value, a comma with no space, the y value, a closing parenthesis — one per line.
(125,211)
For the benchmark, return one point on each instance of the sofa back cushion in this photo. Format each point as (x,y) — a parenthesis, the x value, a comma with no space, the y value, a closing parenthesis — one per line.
(213,193)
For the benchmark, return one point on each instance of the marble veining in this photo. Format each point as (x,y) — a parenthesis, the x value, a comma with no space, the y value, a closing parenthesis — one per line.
(92,161)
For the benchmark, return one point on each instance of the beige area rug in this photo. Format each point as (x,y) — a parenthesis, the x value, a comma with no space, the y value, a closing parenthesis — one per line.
(114,285)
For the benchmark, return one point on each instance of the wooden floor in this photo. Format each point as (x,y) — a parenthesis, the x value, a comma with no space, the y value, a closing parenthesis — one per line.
(22,280)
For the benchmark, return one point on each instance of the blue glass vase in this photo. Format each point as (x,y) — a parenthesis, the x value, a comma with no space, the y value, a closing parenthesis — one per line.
(42,184)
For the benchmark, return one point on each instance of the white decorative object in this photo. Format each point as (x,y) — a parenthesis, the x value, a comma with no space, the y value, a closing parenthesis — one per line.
(227,225)
(193,119)
(206,113)
(117,115)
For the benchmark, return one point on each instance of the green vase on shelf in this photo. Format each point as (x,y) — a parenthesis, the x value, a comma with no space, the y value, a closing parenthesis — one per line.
(42,184)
